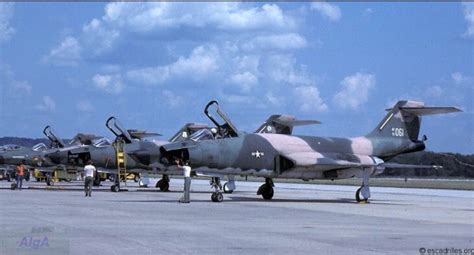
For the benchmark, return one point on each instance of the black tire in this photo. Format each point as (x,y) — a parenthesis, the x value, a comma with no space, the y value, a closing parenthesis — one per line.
(136,178)
(115,188)
(165,187)
(13,186)
(267,194)
(217,197)
(227,190)
(158,183)
(358,197)
(48,181)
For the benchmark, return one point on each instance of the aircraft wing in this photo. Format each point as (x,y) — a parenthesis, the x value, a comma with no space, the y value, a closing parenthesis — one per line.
(315,159)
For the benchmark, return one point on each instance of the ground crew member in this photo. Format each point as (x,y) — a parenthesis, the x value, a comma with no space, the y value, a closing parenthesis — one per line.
(187,181)
(89,171)
(20,174)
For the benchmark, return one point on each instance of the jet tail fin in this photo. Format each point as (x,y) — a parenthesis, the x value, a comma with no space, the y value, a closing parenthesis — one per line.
(283,124)
(403,121)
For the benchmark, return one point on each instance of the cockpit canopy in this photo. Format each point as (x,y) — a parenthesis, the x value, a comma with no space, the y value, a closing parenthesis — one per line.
(102,142)
(39,147)
(203,134)
(9,147)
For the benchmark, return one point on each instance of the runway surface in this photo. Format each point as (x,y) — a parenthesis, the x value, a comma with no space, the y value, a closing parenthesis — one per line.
(301,219)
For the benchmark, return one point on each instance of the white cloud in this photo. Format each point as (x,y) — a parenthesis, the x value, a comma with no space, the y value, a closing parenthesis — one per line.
(22,86)
(309,99)
(201,62)
(330,11)
(279,42)
(146,17)
(172,99)
(84,106)
(434,91)
(368,12)
(245,80)
(98,37)
(282,68)
(67,53)
(355,90)
(460,78)
(469,17)
(6,13)
(239,99)
(110,83)
(47,104)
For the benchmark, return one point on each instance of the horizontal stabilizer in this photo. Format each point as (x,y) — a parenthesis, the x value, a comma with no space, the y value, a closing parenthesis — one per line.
(420,111)
(283,124)
(293,123)
(140,134)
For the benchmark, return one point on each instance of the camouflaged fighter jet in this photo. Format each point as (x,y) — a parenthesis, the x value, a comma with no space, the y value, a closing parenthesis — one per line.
(309,157)
(35,157)
(280,124)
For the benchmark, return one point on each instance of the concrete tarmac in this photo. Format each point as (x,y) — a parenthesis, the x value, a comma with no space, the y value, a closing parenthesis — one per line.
(301,219)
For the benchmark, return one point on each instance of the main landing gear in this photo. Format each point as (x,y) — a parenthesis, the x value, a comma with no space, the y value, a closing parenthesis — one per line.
(163,183)
(216,195)
(266,190)
(363,193)
(229,186)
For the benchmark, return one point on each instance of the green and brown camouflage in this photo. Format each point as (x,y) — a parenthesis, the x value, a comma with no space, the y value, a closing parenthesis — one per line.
(310,157)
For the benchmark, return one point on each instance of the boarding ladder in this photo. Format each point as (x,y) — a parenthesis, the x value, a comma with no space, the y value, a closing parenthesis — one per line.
(121,162)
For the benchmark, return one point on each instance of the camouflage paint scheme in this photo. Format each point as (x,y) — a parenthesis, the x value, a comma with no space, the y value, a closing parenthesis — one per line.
(311,157)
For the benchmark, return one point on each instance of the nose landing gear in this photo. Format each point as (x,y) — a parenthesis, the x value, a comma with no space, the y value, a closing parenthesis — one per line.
(216,195)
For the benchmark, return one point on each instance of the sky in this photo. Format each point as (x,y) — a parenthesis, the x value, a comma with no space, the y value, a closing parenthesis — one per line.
(155,66)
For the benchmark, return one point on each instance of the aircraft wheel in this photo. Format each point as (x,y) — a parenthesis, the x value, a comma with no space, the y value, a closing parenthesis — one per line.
(268,194)
(217,197)
(163,185)
(358,197)
(227,190)
(115,188)
(266,191)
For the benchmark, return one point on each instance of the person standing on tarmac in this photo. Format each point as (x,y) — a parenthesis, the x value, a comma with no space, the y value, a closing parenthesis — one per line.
(20,174)
(89,171)
(187,181)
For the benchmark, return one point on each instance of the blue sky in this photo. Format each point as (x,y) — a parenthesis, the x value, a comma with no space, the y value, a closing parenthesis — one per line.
(155,65)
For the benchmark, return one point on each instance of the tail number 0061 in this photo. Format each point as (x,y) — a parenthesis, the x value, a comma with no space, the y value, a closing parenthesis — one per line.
(398,132)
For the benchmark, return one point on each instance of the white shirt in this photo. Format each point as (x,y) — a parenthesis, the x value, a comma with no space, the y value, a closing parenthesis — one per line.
(89,170)
(187,171)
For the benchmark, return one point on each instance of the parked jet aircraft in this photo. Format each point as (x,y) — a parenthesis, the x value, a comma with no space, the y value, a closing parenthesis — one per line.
(307,157)
(143,156)
(35,157)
